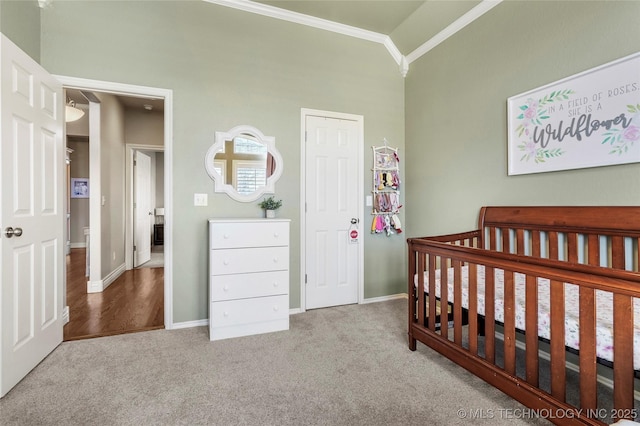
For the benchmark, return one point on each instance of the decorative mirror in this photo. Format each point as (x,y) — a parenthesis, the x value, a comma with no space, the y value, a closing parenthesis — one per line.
(244,163)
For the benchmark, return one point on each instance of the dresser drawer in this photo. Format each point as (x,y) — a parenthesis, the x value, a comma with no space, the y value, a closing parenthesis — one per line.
(234,261)
(249,234)
(243,286)
(248,311)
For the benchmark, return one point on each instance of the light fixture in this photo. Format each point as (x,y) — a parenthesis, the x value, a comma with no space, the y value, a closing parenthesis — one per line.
(71,113)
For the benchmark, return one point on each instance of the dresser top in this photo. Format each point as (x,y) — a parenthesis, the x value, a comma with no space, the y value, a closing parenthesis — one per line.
(247,220)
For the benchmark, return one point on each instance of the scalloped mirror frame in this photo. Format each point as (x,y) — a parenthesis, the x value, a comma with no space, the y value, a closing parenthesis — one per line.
(220,139)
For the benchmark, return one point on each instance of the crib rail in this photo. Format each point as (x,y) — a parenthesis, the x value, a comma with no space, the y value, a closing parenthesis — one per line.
(571,255)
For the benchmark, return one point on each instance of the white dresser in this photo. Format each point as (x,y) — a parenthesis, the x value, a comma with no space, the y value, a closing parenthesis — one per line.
(248,277)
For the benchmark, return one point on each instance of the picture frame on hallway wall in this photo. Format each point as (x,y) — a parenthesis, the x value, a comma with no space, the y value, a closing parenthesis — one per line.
(79,188)
(589,119)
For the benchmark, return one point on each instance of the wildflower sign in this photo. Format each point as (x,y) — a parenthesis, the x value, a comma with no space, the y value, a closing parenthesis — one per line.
(586,120)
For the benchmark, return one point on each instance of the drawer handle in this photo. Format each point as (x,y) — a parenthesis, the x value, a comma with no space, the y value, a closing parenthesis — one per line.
(275,284)
(226,262)
(275,260)
(226,314)
(225,288)
(226,236)
(276,235)
(275,309)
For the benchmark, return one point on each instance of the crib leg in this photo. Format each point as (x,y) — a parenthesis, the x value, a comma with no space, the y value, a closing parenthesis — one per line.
(412,342)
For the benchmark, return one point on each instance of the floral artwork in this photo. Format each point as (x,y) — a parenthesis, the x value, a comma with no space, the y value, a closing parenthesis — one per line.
(586,120)
(533,112)
(621,139)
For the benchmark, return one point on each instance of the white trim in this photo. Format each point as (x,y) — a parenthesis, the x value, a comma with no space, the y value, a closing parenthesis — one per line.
(77,245)
(312,21)
(65,315)
(128,188)
(304,113)
(99,286)
(385,298)
(295,311)
(151,93)
(190,324)
(454,27)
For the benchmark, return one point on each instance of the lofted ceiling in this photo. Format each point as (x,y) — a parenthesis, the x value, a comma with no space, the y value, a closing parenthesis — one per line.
(381,16)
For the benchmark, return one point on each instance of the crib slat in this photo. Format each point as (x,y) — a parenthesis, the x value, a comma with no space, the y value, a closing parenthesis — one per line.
(531,335)
(412,297)
(520,241)
(421,268)
(623,353)
(535,243)
(457,303)
(492,238)
(594,250)
(588,376)
(509,324)
(617,252)
(473,308)
(558,374)
(506,241)
(444,298)
(432,293)
(553,245)
(489,309)
(572,247)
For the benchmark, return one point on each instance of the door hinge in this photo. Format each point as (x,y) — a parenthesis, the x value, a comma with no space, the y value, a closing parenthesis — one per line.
(305,278)
(305,135)
(135,248)
(134,205)
(135,163)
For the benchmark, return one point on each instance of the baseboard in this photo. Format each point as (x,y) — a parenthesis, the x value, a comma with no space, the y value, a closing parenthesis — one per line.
(78,245)
(295,311)
(385,298)
(65,315)
(100,285)
(189,324)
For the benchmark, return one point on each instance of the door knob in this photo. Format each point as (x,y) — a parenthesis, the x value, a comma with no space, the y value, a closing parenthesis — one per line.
(354,220)
(10,232)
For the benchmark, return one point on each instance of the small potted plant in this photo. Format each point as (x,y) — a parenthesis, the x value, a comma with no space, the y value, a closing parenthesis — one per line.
(270,205)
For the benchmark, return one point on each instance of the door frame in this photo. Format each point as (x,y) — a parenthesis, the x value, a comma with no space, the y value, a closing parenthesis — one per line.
(129,239)
(359,119)
(157,93)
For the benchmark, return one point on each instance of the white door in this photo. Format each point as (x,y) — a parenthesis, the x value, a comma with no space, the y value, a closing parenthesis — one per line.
(142,207)
(331,188)
(32,188)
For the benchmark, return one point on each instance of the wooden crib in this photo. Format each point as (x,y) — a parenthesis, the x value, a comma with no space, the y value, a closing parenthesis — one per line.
(586,255)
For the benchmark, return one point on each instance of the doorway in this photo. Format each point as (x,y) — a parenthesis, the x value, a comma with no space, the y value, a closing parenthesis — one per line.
(332,197)
(149,95)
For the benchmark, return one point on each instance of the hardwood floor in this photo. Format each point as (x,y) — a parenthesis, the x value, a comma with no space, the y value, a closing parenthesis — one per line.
(134,302)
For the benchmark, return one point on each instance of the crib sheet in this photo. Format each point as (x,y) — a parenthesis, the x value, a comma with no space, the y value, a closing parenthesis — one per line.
(604,309)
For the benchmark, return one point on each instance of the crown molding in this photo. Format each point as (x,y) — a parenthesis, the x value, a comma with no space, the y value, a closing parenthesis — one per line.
(454,27)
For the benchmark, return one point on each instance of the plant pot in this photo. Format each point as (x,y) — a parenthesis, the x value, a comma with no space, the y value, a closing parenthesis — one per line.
(270,214)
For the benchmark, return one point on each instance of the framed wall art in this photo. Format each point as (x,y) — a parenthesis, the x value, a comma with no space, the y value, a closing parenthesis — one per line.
(589,119)
(79,188)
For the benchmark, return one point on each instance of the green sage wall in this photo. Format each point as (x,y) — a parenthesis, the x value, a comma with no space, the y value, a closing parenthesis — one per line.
(228,67)
(20,22)
(456,118)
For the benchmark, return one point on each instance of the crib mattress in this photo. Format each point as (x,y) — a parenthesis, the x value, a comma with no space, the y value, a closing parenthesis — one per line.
(604,309)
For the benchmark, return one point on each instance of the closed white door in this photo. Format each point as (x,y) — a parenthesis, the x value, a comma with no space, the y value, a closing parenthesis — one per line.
(32,214)
(331,188)
(142,188)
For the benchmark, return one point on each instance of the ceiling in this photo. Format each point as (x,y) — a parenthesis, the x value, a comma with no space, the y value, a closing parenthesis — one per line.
(381,16)
(129,102)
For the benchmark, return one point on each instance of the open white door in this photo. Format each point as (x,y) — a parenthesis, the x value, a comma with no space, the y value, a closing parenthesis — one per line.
(32,214)
(142,208)
(332,194)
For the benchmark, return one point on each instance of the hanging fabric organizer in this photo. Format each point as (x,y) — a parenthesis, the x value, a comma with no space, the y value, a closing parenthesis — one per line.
(386,190)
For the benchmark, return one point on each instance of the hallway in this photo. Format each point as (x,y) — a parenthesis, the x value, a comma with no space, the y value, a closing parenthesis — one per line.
(134,302)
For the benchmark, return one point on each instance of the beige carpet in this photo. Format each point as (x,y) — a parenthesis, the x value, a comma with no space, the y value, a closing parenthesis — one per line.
(348,365)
